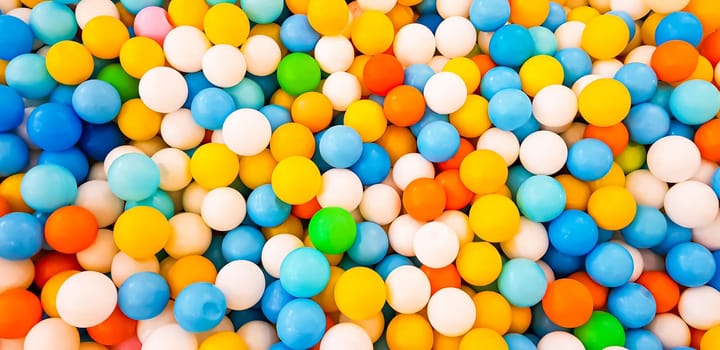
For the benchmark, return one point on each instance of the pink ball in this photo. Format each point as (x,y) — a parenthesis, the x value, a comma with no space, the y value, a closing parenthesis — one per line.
(153,22)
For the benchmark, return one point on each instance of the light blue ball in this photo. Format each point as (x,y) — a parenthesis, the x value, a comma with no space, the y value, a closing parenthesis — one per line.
(28,75)
(211,106)
(556,17)
(680,129)
(134,6)
(511,46)
(15,155)
(200,307)
(428,117)
(72,159)
(196,82)
(438,141)
(647,123)
(262,11)
(134,177)
(12,108)
(545,41)
(517,341)
(373,166)
(17,37)
(47,187)
(143,295)
(574,232)
(562,264)
(297,35)
(371,244)
(679,26)
(160,201)
(489,15)
(52,22)
(642,339)
(340,146)
(589,159)
(243,243)
(273,300)
(674,235)
(247,94)
(715,182)
(640,80)
(417,75)
(301,324)
(276,115)
(96,101)
(497,79)
(265,208)
(694,102)
(632,304)
(576,63)
(647,229)
(517,174)
(662,95)
(509,109)
(609,264)
(305,272)
(528,128)
(390,263)
(62,94)
(522,282)
(541,198)
(21,236)
(690,264)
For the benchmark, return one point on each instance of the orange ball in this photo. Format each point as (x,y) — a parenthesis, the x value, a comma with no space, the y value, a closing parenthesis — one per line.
(454,163)
(382,73)
(568,303)
(397,141)
(306,210)
(424,199)
(710,47)
(444,277)
(71,229)
(48,295)
(114,330)
(404,105)
(313,110)
(696,336)
(457,196)
(188,270)
(20,310)
(599,293)
(707,138)
(52,263)
(665,291)
(4,206)
(615,136)
(674,61)
(484,63)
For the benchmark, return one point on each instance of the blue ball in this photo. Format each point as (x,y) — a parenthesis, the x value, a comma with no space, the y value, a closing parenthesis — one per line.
(609,264)
(574,232)
(694,102)
(497,79)
(640,80)
(134,6)
(211,106)
(96,101)
(373,166)
(54,127)
(390,263)
(715,281)
(143,295)
(576,63)
(517,341)
(556,17)
(98,140)
(417,75)
(489,15)
(243,243)
(674,235)
(62,94)
(28,75)
(522,282)
(12,107)
(690,264)
(371,244)
(17,37)
(21,236)
(160,201)
(589,159)
(517,174)
(541,323)
(604,235)
(528,128)
(715,182)
(545,41)
(680,129)
(276,115)
(273,300)
(247,94)
(632,304)
(268,83)
(438,141)
(15,155)
(562,264)
(647,229)
(340,146)
(642,339)
(428,117)
(214,253)
(301,324)
(262,11)
(134,177)
(647,123)
(241,317)
(662,95)
(679,26)
(430,20)
(72,159)
(200,307)
(196,82)
(304,272)
(279,346)
(511,46)
(265,208)
(427,6)
(541,198)
(52,22)
(297,34)
(509,109)
(47,187)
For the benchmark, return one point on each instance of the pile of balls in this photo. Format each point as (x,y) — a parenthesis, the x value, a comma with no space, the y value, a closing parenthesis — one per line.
(374,174)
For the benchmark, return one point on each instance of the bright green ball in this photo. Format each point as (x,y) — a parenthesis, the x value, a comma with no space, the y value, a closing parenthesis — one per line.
(332,230)
(601,331)
(298,73)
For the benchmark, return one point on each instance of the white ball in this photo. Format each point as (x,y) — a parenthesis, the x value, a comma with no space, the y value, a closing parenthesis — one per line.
(342,89)
(437,63)
(559,340)
(445,92)
(707,234)
(436,244)
(190,235)
(671,330)
(448,8)
(224,65)
(638,260)
(116,152)
(569,34)
(246,132)
(637,9)
(16,274)
(163,89)
(414,44)
(547,270)
(86,299)
(340,188)
(698,307)
(647,189)
(666,6)
(85,10)
(179,130)
(581,83)
(52,333)
(409,167)
(100,254)
(555,106)
(334,53)
(673,159)
(258,335)
(691,204)
(96,197)
(504,143)
(170,336)
(408,289)
(606,68)
(401,234)
(123,266)
(451,312)
(380,204)
(185,47)
(147,327)
(543,153)
(346,336)
(174,166)
(652,261)
(223,208)
(262,55)
(9,8)
(705,172)
(276,249)
(383,6)
(455,37)
(484,40)
(373,326)
(192,198)
(460,223)
(242,282)
(531,241)
(641,54)
(97,172)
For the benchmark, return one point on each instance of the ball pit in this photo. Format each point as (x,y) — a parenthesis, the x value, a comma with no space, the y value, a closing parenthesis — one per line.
(369,174)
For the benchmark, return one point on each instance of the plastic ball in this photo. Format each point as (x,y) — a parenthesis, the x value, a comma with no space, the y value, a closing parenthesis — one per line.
(595,106)
(340,157)
(228,57)
(17,157)
(642,339)
(530,242)
(543,153)
(690,264)
(648,228)
(694,305)
(455,37)
(643,304)
(451,312)
(567,303)
(589,159)
(48,187)
(380,204)
(86,299)
(170,334)
(54,127)
(332,230)
(134,177)
(214,165)
(262,55)
(373,166)
(143,295)
(559,340)
(58,63)
(199,307)
(489,15)
(694,102)
(274,298)
(612,207)
(541,198)
(554,106)
(435,244)
(683,26)
(371,244)
(163,89)
(410,49)
(224,340)
(360,293)
(445,92)
(276,249)
(494,218)
(640,80)
(345,335)
(301,324)
(304,272)
(408,289)
(19,39)
(372,32)
(409,331)
(53,22)
(52,332)
(573,232)
(699,194)
(246,132)
(21,236)
(509,109)
(601,331)
(298,73)
(223,208)
(522,282)
(605,36)
(328,18)
(511,45)
(609,264)
(141,232)
(241,273)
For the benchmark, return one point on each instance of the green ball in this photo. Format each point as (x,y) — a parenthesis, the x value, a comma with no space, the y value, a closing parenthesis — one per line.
(601,331)
(632,158)
(332,230)
(116,76)
(298,73)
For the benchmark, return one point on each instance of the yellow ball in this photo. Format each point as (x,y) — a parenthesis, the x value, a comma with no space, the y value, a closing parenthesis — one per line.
(141,232)
(577,192)
(632,158)
(312,109)
(103,36)
(137,121)
(494,218)
(604,102)
(367,118)
(529,13)
(140,54)
(648,27)
(214,165)
(478,263)
(540,71)
(703,71)
(326,298)
(187,13)
(483,338)
(360,293)
(224,341)
(615,177)
(226,23)
(612,207)
(443,342)
(357,68)
(711,339)
(296,180)
(328,17)
(401,15)
(521,319)
(582,14)
(409,332)
(291,225)
(271,30)
(472,119)
(493,312)
(372,32)
(188,270)
(298,6)
(397,141)
(257,170)
(605,37)
(483,171)
(282,99)
(10,190)
(466,69)
(69,62)
(292,139)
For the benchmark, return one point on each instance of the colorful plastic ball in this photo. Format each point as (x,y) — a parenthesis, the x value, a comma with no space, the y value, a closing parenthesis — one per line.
(694,102)
(409,50)
(53,22)
(18,40)
(340,146)
(489,15)
(522,282)
(332,230)
(541,198)
(21,236)
(141,224)
(214,165)
(559,339)
(455,36)
(199,307)
(12,108)
(601,331)
(298,73)
(543,152)
(371,244)
(637,339)
(301,324)
(380,204)
(612,207)
(573,232)
(632,304)
(48,187)
(345,335)
(242,282)
(304,272)
(589,159)
(134,177)
(436,245)
(445,92)
(683,26)
(211,107)
(554,106)
(567,302)
(296,180)
(96,101)
(647,229)
(438,141)
(511,45)
(640,80)
(54,127)
(262,55)
(16,158)
(86,299)
(170,334)
(530,242)
(609,264)
(372,32)
(690,264)
(509,109)
(341,188)
(265,209)
(373,166)
(360,293)
(647,123)
(297,35)
(228,57)
(163,89)
(223,208)
(274,298)
(143,295)
(494,218)
(134,6)
(703,198)
(51,332)
(72,159)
